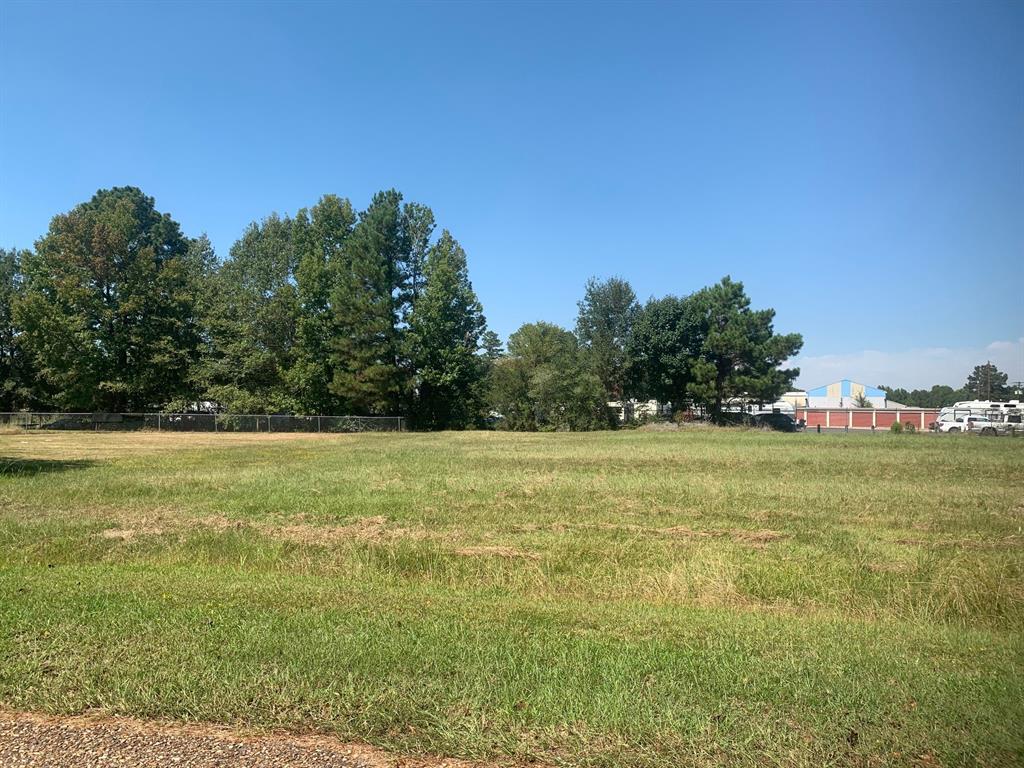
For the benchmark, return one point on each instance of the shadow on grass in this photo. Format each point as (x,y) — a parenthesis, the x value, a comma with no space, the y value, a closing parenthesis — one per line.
(10,467)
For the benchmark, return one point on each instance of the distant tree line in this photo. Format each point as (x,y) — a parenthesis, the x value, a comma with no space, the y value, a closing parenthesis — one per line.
(705,349)
(985,382)
(335,311)
(329,311)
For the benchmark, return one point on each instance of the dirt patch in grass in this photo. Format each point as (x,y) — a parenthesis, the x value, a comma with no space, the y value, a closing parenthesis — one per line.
(127,534)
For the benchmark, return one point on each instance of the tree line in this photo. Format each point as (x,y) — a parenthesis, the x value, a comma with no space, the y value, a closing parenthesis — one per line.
(985,382)
(705,349)
(334,311)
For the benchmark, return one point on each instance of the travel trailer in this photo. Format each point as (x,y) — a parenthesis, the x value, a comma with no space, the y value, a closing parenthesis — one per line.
(987,405)
(968,415)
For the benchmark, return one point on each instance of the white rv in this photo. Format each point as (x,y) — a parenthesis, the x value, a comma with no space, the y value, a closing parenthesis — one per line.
(968,415)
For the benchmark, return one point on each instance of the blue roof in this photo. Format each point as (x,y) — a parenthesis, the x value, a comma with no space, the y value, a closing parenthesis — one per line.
(846,390)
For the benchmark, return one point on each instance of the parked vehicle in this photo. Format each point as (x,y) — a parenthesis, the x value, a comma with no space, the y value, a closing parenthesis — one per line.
(986,417)
(963,423)
(1004,423)
(780,422)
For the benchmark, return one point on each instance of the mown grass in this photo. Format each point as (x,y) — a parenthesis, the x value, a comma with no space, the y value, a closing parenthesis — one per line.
(647,599)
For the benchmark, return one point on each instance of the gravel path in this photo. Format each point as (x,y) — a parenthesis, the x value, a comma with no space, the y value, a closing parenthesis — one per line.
(38,741)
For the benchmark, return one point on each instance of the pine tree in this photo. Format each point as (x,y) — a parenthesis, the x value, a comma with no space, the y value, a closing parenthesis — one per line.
(369,376)
(446,327)
(319,238)
(739,353)
(418,225)
(986,382)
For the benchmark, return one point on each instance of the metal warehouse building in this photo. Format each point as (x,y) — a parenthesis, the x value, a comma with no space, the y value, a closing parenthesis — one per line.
(844,394)
(834,406)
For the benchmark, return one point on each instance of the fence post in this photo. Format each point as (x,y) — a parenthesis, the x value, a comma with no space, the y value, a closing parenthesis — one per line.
(318,423)
(268,423)
(158,422)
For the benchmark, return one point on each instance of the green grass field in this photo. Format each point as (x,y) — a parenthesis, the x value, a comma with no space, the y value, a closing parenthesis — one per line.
(619,599)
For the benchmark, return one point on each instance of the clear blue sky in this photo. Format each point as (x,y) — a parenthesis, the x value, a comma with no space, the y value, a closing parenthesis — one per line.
(859,166)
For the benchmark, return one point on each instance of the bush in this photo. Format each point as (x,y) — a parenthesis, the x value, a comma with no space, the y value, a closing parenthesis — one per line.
(909,427)
(683,416)
(896,428)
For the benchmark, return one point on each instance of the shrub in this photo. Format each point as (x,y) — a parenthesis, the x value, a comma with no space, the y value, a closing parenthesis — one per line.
(683,416)
(909,427)
(896,427)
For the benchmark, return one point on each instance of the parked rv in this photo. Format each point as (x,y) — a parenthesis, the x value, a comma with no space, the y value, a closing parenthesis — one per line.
(989,417)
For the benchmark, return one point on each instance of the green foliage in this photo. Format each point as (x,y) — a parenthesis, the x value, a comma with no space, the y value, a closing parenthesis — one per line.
(861,400)
(418,226)
(661,350)
(939,396)
(739,353)
(108,313)
(545,383)
(896,428)
(252,322)
(708,348)
(320,236)
(16,373)
(368,373)
(986,382)
(603,327)
(446,325)
(910,427)
(334,312)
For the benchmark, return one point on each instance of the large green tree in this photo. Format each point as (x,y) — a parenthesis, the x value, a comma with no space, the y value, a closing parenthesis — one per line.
(17,386)
(369,373)
(740,355)
(603,326)
(418,226)
(108,311)
(544,383)
(986,382)
(320,237)
(252,322)
(446,326)
(664,343)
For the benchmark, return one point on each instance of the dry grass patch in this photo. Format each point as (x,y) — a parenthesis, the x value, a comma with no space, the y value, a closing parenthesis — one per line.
(497,551)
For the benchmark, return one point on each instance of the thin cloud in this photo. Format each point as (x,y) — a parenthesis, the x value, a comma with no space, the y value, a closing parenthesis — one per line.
(914,368)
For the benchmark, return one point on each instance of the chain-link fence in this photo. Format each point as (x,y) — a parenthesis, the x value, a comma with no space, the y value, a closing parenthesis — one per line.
(201,422)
